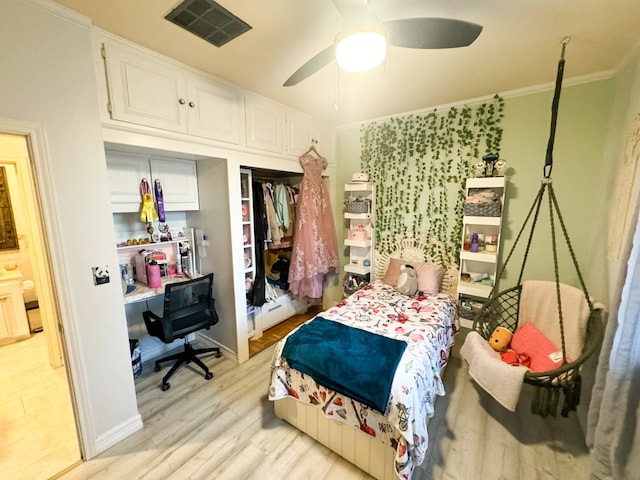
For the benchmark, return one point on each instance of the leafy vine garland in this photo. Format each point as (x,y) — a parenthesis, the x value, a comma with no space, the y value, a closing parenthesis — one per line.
(419,164)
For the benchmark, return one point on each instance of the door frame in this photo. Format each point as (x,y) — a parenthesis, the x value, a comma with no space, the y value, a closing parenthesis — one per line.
(34,175)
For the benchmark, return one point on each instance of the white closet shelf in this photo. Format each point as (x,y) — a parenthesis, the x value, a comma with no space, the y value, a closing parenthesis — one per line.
(357,216)
(475,289)
(478,256)
(357,269)
(469,220)
(358,243)
(357,186)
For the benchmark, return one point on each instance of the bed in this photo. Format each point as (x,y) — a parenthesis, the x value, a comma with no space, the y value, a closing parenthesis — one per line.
(386,436)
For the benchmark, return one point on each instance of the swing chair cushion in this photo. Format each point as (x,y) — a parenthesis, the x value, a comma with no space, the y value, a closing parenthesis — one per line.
(543,354)
(538,305)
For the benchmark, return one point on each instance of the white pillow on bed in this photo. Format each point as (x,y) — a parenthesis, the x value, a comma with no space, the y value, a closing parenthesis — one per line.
(429,274)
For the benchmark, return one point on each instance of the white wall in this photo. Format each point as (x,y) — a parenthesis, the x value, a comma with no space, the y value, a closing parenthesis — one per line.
(214,219)
(49,86)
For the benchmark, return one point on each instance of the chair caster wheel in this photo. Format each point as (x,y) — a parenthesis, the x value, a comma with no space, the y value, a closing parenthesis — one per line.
(165,387)
(157,368)
(208,376)
(218,355)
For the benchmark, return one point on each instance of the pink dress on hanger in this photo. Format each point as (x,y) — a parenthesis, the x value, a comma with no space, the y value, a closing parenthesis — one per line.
(315,247)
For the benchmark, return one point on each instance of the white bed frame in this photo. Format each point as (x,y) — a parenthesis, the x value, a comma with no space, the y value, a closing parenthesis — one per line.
(364,451)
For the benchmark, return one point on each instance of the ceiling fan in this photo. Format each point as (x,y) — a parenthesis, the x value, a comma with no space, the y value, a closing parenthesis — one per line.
(361,24)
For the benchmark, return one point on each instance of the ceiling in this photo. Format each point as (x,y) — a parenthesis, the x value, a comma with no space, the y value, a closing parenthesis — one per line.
(519,47)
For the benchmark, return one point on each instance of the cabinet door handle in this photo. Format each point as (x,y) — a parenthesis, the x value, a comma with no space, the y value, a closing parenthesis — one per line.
(191,104)
(274,308)
(181,101)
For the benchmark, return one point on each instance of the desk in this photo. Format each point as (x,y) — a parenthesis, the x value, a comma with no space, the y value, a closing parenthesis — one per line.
(143,292)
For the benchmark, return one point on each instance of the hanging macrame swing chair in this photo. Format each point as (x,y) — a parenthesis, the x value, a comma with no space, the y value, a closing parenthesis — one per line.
(504,308)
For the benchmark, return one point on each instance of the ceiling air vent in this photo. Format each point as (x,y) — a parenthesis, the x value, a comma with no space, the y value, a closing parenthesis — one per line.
(208,20)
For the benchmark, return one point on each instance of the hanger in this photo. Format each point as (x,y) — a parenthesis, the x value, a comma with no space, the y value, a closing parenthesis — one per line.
(312,148)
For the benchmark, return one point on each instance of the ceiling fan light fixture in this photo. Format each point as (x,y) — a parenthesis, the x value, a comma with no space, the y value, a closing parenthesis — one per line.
(361,51)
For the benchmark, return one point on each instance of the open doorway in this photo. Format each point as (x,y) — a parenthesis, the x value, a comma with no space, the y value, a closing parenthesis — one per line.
(37,413)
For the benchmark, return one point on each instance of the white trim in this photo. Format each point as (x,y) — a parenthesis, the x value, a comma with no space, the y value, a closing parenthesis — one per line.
(118,433)
(226,353)
(543,87)
(60,11)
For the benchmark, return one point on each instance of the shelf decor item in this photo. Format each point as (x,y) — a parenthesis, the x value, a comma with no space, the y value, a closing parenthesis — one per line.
(489,161)
(357,205)
(483,209)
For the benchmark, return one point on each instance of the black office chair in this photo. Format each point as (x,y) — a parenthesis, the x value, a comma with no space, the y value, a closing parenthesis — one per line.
(188,307)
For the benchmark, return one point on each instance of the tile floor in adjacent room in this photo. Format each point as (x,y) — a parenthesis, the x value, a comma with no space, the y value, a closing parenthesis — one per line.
(38,436)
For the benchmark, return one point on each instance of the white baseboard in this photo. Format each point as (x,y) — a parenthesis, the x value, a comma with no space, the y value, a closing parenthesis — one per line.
(228,354)
(115,435)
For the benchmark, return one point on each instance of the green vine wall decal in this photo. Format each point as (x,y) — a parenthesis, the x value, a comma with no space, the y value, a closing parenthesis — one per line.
(420,163)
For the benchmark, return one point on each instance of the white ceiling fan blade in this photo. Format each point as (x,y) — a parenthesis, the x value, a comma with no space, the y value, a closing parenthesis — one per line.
(431,32)
(315,64)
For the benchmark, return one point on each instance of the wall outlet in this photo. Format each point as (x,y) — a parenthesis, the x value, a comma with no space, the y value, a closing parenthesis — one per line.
(100,274)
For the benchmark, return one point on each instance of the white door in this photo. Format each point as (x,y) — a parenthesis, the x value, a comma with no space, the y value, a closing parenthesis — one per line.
(146,91)
(125,172)
(299,133)
(265,125)
(214,110)
(179,181)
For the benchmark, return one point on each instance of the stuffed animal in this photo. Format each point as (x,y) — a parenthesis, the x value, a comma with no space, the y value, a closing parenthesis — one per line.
(500,339)
(511,357)
(408,280)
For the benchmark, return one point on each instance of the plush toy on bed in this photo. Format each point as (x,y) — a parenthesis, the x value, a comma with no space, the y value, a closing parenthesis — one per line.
(408,280)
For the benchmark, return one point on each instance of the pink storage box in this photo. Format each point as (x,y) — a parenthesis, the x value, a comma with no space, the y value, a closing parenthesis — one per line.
(357,235)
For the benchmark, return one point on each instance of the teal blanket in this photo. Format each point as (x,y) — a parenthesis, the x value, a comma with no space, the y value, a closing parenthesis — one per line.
(350,361)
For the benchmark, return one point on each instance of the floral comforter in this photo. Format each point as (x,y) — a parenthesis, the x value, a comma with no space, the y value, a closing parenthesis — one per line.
(427,323)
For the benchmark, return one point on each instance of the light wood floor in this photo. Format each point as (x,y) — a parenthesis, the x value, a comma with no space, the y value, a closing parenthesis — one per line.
(225,428)
(275,333)
(37,428)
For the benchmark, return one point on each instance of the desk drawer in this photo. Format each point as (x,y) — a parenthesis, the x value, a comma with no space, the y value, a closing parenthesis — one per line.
(272,313)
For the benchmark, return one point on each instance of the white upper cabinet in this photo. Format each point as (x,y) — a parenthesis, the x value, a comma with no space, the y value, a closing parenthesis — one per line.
(265,124)
(146,90)
(304,131)
(126,171)
(214,110)
(178,178)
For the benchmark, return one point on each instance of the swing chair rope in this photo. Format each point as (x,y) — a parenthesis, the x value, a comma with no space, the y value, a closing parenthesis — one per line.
(548,166)
(556,273)
(524,225)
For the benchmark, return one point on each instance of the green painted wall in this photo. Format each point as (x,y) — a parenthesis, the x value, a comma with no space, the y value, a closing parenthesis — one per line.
(578,172)
(577,176)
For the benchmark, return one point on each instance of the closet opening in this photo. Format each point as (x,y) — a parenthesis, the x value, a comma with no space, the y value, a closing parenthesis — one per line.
(269,209)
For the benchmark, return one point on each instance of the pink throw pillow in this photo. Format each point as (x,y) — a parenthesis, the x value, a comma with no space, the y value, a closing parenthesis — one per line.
(393,271)
(429,277)
(544,355)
